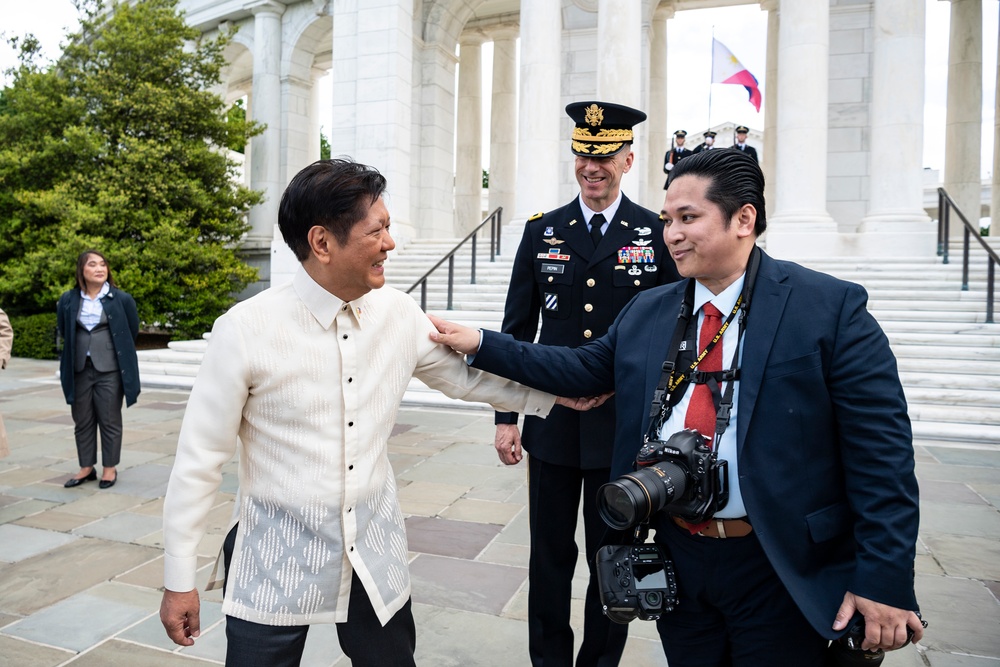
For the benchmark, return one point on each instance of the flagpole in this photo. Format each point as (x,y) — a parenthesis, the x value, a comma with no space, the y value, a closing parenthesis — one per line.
(710,79)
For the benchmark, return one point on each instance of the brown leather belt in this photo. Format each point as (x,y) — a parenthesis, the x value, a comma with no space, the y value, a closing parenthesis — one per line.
(720,528)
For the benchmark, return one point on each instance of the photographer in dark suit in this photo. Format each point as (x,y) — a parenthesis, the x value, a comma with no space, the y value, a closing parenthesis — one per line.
(577,267)
(821,520)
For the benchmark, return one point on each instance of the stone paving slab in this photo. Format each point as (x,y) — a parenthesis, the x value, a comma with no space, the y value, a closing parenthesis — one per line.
(19,542)
(46,579)
(123,527)
(965,556)
(101,619)
(99,505)
(456,583)
(963,615)
(18,653)
(117,653)
(445,537)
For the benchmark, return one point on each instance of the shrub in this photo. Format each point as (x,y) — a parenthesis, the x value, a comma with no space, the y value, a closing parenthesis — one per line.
(34,336)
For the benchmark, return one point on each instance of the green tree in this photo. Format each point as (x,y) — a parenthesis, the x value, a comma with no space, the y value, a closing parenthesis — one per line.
(324,146)
(121,146)
(237,114)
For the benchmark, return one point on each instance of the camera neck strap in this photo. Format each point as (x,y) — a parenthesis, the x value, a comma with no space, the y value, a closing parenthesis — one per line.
(673,383)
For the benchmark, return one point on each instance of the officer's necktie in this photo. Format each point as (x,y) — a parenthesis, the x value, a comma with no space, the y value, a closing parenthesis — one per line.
(701,410)
(595,228)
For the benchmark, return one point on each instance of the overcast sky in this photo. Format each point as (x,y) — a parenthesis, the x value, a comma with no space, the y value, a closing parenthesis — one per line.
(743,29)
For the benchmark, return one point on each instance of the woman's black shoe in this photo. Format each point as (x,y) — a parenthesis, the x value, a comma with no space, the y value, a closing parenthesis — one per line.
(77,481)
(108,483)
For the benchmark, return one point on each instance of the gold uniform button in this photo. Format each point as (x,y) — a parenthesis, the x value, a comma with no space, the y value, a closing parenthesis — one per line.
(591,282)
(637,283)
(588,307)
(551,278)
(586,333)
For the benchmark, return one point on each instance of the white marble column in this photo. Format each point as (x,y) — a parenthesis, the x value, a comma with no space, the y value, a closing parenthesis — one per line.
(657,132)
(298,131)
(540,111)
(963,124)
(503,122)
(995,190)
(315,127)
(801,226)
(619,52)
(469,155)
(896,221)
(769,156)
(265,165)
(434,126)
(372,81)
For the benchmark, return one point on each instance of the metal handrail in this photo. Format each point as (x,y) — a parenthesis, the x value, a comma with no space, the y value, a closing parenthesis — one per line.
(945,206)
(495,219)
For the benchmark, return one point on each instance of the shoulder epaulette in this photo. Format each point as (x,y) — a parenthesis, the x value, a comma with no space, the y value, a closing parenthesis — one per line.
(536,216)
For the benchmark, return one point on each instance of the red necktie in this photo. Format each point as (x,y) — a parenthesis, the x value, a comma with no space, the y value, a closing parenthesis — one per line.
(701,410)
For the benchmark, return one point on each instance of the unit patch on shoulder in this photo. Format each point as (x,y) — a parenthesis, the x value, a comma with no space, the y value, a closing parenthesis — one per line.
(536,216)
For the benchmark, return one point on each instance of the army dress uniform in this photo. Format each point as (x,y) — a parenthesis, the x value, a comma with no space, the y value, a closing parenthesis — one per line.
(704,146)
(745,147)
(577,290)
(675,155)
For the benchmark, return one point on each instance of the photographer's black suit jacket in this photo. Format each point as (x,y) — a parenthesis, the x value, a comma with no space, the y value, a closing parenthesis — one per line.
(824,442)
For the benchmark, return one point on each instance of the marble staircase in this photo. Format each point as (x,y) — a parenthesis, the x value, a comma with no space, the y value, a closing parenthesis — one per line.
(948,357)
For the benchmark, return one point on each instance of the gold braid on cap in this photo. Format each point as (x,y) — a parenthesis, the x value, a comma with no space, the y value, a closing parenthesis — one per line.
(596,149)
(583,134)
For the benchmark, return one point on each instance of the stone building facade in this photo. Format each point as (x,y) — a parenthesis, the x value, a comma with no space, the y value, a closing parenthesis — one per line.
(842,135)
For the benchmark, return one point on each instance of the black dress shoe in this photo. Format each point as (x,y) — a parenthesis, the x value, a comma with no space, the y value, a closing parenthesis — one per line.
(108,483)
(77,481)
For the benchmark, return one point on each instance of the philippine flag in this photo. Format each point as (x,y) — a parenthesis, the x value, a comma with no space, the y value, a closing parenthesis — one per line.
(727,69)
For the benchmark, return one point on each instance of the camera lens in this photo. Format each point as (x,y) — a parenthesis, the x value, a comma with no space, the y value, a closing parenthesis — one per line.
(632,498)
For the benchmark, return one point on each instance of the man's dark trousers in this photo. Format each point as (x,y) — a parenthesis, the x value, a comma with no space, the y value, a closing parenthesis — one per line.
(363,638)
(733,610)
(553,505)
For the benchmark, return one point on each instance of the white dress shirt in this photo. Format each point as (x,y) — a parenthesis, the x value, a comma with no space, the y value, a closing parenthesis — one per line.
(724,301)
(608,213)
(92,309)
(311,385)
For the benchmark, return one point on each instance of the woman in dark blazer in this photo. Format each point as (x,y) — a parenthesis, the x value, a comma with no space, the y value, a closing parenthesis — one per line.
(99,325)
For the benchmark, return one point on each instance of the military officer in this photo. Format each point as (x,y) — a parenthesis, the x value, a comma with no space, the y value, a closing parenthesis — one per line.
(576,268)
(708,144)
(678,151)
(741,142)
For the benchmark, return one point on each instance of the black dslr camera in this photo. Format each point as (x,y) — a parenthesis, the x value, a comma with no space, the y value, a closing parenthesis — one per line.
(635,582)
(846,651)
(682,476)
